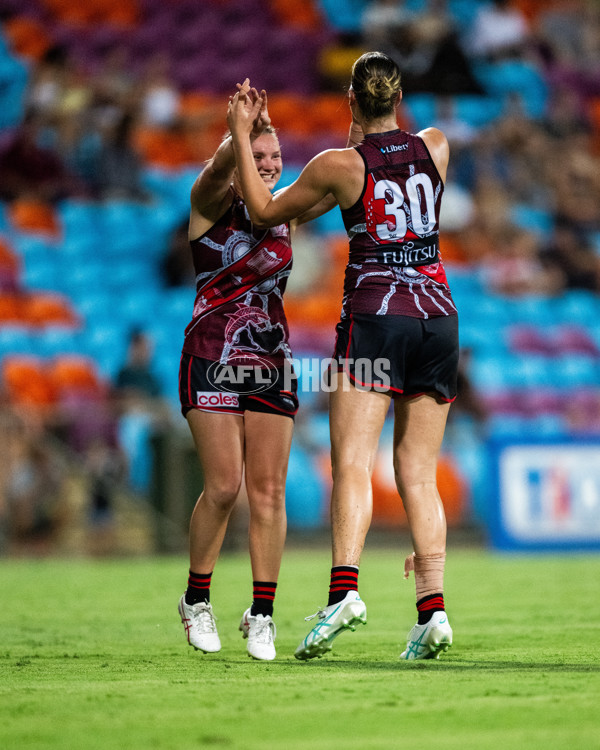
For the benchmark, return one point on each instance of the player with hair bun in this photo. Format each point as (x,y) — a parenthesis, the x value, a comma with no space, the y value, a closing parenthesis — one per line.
(397,309)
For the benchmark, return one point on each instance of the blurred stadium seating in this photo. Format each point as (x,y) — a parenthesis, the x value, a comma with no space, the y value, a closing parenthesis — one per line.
(78,273)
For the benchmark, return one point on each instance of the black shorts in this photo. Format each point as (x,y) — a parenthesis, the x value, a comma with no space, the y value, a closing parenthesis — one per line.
(400,355)
(230,389)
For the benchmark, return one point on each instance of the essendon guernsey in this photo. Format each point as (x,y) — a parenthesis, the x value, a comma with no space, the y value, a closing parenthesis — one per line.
(395,266)
(241,274)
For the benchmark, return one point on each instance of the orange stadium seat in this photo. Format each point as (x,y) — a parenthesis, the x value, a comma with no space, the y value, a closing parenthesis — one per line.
(8,259)
(594,114)
(299,15)
(291,113)
(32,215)
(332,114)
(72,374)
(164,148)
(47,308)
(27,382)
(532,8)
(451,249)
(12,308)
(95,11)
(27,36)
(76,377)
(387,507)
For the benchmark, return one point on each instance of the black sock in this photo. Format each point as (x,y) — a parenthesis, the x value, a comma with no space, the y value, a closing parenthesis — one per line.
(344,578)
(428,605)
(198,589)
(263,596)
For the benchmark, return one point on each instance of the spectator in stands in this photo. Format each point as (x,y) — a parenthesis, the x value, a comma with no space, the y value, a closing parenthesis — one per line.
(141,409)
(425,46)
(177,268)
(48,82)
(569,256)
(136,379)
(26,169)
(160,99)
(119,173)
(104,465)
(383,22)
(34,494)
(499,31)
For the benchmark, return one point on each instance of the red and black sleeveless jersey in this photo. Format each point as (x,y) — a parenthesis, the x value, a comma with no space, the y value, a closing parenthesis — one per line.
(241,275)
(395,266)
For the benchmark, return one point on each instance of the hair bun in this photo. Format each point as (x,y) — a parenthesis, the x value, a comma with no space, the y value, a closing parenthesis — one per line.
(379,87)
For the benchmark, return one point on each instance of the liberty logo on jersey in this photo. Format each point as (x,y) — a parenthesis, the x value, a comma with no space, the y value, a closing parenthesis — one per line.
(391,148)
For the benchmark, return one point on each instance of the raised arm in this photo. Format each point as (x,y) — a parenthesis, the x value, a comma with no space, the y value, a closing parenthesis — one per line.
(211,192)
(355,136)
(265,209)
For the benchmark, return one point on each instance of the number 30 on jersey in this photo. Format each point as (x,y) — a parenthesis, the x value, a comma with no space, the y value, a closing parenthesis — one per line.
(386,213)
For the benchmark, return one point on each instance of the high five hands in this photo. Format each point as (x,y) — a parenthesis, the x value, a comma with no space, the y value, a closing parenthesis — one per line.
(247,111)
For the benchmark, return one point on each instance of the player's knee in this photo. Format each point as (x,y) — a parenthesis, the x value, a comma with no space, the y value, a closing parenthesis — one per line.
(411,474)
(223,493)
(266,496)
(348,467)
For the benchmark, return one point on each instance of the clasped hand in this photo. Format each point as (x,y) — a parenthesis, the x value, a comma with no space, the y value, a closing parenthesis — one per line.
(247,111)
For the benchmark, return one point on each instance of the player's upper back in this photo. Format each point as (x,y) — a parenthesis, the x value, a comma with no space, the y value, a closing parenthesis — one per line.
(396,218)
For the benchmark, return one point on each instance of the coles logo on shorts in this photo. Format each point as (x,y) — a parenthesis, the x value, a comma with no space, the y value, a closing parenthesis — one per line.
(217,400)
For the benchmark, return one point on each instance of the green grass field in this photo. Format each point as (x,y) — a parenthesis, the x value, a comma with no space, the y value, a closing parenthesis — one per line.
(93,656)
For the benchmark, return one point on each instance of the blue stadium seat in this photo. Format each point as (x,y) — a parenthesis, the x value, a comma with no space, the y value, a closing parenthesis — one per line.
(80,218)
(33,245)
(510,426)
(137,305)
(530,371)
(55,340)
(305,495)
(128,273)
(477,111)
(106,342)
(317,433)
(532,219)
(576,305)
(342,15)
(87,278)
(16,340)
(178,304)
(39,272)
(530,309)
(14,76)
(515,78)
(575,371)
(490,338)
(96,306)
(422,110)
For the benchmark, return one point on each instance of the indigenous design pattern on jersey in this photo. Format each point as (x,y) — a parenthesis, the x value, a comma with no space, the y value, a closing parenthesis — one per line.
(241,275)
(395,266)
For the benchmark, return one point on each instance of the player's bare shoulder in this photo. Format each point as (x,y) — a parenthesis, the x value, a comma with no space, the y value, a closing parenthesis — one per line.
(343,170)
(437,145)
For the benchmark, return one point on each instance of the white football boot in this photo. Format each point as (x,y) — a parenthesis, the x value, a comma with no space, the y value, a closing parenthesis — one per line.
(333,619)
(261,632)
(200,626)
(429,640)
